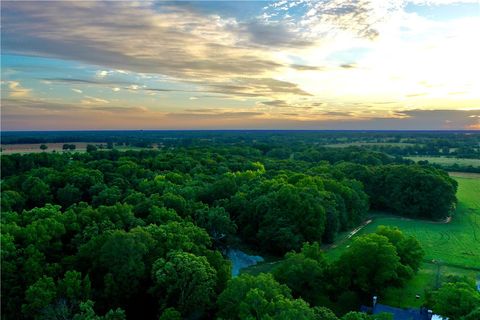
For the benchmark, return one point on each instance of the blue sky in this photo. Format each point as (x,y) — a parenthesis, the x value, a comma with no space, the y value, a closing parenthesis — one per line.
(298,64)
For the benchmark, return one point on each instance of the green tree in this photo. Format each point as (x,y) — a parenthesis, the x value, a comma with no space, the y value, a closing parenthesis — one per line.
(354,315)
(170,314)
(184,236)
(162,215)
(260,297)
(474,315)
(87,313)
(38,296)
(280,215)
(73,288)
(69,146)
(10,276)
(456,300)
(43,147)
(369,265)
(44,228)
(91,148)
(216,221)
(187,280)
(68,195)
(12,201)
(304,273)
(119,262)
(108,196)
(322,313)
(175,202)
(36,191)
(408,248)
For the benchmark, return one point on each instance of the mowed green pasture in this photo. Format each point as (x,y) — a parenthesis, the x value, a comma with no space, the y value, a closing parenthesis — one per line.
(456,243)
(450,248)
(455,246)
(366,144)
(464,162)
(429,277)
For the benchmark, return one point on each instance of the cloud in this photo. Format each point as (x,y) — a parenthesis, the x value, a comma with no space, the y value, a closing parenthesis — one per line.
(276,103)
(337,113)
(256,87)
(348,65)
(306,68)
(302,63)
(16,90)
(441,119)
(359,17)
(165,90)
(88,100)
(274,34)
(440,2)
(102,74)
(215,114)
(118,110)
(44,115)
(85,81)
(168,39)
(244,87)
(17,114)
(37,107)
(114,85)
(416,94)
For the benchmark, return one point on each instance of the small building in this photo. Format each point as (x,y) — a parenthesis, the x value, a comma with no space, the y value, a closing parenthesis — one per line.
(399,313)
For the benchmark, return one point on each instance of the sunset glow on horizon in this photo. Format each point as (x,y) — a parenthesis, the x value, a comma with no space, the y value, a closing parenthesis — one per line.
(302,64)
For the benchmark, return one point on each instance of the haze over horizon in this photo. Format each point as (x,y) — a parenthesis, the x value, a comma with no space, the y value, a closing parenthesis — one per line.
(302,64)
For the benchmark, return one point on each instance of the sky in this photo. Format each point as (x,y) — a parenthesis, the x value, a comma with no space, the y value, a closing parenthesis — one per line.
(300,64)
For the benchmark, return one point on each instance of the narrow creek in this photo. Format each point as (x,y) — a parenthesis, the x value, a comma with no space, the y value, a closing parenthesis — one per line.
(241,260)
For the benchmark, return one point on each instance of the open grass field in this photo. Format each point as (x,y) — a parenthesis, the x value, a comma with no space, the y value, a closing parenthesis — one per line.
(359,144)
(450,248)
(57,147)
(35,147)
(456,243)
(430,276)
(448,161)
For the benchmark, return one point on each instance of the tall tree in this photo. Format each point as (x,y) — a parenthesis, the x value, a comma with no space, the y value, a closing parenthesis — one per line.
(185,281)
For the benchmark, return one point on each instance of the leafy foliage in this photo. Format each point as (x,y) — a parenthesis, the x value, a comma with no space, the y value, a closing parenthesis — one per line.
(109,235)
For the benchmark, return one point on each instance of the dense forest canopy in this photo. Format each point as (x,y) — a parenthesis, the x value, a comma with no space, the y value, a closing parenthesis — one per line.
(110,234)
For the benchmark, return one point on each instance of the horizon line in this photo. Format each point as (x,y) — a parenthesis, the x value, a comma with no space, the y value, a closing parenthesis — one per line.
(243,130)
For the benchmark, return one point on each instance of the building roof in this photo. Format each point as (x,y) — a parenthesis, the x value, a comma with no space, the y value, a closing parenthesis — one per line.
(402,314)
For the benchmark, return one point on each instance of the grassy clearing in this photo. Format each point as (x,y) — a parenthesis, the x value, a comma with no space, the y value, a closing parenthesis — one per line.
(456,243)
(35,147)
(471,175)
(448,161)
(58,147)
(360,144)
(450,248)
(429,277)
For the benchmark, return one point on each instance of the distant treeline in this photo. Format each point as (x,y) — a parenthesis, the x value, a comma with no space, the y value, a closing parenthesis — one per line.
(460,144)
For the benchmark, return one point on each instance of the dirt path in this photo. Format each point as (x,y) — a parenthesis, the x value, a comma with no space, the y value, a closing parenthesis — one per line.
(351,234)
